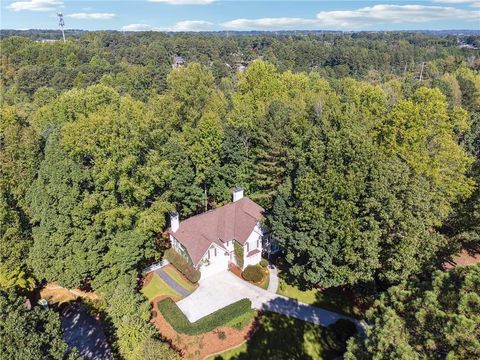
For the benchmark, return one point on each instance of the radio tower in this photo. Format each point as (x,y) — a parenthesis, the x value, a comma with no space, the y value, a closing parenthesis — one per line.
(61,23)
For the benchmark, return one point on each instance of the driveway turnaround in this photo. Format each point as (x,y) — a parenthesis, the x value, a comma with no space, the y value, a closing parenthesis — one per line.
(222,289)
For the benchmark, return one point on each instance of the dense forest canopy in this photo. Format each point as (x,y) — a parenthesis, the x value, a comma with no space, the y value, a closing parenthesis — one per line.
(363,148)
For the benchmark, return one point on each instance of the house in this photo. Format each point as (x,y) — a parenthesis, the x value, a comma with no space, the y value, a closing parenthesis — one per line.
(178,62)
(231,234)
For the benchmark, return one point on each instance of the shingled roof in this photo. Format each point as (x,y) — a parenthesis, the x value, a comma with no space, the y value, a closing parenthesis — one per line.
(234,221)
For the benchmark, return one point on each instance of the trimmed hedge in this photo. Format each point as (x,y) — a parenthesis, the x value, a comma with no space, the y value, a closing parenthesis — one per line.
(263,263)
(253,273)
(181,324)
(182,265)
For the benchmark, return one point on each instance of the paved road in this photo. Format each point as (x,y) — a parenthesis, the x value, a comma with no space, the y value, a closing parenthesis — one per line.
(84,332)
(222,289)
(172,283)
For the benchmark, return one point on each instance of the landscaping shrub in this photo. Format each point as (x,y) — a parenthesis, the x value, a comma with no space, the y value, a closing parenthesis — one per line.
(181,324)
(221,335)
(182,265)
(263,263)
(253,273)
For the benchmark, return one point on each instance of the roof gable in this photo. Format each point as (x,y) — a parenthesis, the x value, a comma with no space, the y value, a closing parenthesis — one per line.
(234,221)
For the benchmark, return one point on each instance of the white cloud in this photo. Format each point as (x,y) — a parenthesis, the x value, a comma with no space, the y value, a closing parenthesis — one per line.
(363,17)
(454,1)
(35,5)
(184,2)
(270,23)
(139,27)
(192,25)
(474,3)
(91,16)
(186,25)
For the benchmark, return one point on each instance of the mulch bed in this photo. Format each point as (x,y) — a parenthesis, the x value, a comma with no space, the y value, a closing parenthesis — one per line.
(147,279)
(235,270)
(204,345)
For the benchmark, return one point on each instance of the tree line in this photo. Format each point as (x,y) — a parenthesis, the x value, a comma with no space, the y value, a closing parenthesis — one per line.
(369,176)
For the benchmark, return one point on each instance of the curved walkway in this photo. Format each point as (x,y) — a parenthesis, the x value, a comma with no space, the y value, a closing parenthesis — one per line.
(222,289)
(273,281)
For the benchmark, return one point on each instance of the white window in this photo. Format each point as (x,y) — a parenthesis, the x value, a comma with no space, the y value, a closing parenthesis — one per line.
(248,247)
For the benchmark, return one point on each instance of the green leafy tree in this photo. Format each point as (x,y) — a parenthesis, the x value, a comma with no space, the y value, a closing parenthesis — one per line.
(437,319)
(65,249)
(423,133)
(30,334)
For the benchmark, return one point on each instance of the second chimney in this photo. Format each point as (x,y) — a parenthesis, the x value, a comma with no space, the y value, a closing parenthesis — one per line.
(174,221)
(237,194)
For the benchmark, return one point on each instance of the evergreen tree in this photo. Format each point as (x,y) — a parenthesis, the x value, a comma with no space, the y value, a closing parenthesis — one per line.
(437,319)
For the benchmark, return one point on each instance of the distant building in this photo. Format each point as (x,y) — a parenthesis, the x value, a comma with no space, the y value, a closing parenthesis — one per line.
(178,62)
(241,68)
(46,41)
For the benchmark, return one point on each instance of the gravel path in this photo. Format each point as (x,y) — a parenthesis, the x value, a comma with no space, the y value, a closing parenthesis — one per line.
(172,283)
(84,332)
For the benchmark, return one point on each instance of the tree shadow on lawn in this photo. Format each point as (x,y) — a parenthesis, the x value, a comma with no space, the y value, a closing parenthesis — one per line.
(282,337)
(349,301)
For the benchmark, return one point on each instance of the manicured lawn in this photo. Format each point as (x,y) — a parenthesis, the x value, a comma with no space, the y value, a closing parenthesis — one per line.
(334,299)
(291,291)
(281,337)
(242,320)
(157,287)
(230,354)
(180,279)
(233,314)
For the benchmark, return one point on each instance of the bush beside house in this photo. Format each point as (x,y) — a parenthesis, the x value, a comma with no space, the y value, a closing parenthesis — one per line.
(177,319)
(253,273)
(263,263)
(182,265)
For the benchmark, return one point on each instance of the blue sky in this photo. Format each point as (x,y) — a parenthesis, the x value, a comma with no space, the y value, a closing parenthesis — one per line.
(197,15)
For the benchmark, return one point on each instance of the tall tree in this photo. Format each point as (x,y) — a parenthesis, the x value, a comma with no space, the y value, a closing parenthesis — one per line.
(65,249)
(30,334)
(437,319)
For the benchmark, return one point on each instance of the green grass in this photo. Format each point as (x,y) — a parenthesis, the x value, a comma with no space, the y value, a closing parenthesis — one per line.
(157,287)
(333,300)
(230,354)
(281,337)
(291,291)
(177,319)
(180,279)
(242,320)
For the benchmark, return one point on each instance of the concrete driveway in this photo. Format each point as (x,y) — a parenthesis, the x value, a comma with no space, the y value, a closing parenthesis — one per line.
(222,289)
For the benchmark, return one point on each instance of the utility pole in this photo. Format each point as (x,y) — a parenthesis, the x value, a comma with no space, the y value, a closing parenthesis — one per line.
(61,24)
(421,71)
